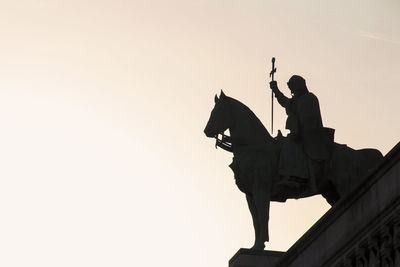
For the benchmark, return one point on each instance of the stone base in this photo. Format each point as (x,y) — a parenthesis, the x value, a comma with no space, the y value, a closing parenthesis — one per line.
(255,258)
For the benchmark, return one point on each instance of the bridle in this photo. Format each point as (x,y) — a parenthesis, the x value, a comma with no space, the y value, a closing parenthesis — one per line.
(225,142)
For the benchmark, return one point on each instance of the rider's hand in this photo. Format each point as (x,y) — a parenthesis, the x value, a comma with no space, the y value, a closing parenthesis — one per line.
(273,85)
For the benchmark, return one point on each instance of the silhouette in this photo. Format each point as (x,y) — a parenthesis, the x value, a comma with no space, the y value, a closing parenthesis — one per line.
(256,160)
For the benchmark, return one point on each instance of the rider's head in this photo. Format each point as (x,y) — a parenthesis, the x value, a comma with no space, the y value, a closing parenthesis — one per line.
(297,85)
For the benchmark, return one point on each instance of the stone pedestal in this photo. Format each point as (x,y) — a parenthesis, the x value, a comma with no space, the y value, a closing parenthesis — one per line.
(253,258)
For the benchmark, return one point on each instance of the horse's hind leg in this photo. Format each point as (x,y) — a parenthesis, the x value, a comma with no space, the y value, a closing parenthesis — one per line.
(328,191)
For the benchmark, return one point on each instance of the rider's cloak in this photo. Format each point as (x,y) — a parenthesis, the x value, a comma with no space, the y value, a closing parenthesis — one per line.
(308,139)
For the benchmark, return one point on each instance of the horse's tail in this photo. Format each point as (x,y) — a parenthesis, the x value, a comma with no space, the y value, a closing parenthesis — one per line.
(370,158)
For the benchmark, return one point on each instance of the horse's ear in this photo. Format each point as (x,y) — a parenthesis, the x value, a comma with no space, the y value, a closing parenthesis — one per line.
(222,95)
(216,99)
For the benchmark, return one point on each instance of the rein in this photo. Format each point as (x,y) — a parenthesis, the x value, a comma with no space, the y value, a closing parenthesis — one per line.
(225,142)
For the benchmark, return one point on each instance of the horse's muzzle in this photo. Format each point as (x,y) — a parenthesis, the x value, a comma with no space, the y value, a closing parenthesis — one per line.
(208,133)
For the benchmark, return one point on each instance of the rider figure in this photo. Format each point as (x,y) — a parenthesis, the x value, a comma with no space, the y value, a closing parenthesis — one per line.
(309,144)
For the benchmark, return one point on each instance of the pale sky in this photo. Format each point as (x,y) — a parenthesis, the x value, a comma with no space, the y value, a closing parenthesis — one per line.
(103,105)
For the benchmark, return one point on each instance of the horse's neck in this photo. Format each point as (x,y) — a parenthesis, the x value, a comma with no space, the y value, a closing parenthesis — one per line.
(248,130)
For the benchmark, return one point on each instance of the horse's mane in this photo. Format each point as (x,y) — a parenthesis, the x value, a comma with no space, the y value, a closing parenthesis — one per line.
(248,113)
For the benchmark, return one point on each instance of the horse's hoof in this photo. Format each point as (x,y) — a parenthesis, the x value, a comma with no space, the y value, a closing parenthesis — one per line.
(258,247)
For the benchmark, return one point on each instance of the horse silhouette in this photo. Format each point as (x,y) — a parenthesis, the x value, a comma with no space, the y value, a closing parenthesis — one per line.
(256,159)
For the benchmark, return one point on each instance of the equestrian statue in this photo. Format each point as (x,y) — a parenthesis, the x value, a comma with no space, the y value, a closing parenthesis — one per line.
(306,162)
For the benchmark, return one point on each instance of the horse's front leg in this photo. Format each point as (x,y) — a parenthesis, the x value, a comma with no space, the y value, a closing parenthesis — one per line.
(252,207)
(261,200)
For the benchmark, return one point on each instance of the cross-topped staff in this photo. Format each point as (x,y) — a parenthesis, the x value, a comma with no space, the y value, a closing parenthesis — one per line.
(271,74)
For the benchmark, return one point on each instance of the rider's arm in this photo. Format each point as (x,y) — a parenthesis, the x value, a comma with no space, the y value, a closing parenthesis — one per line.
(282,99)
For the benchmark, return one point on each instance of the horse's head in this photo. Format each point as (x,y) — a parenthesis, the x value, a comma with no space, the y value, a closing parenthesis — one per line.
(220,118)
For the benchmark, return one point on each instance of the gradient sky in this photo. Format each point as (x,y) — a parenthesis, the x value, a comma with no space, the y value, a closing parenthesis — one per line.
(103,105)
